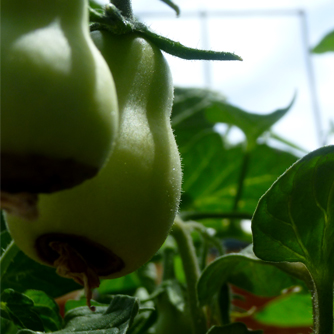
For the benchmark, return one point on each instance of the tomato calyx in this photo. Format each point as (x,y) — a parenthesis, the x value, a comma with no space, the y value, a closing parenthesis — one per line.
(116,23)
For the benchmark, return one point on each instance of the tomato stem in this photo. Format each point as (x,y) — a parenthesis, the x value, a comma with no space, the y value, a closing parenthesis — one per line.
(168,261)
(182,236)
(125,7)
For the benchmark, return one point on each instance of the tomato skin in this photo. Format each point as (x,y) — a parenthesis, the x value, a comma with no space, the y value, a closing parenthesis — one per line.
(130,206)
(58,96)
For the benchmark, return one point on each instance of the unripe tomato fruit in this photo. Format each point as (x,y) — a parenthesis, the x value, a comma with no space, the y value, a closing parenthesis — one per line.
(119,219)
(59,104)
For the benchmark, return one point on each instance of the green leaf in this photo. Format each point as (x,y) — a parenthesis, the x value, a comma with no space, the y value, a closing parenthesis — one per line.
(252,124)
(73,303)
(8,326)
(188,115)
(19,308)
(246,271)
(173,315)
(146,316)
(197,110)
(211,174)
(114,319)
(96,5)
(5,240)
(235,328)
(326,44)
(47,309)
(143,321)
(291,310)
(125,284)
(175,293)
(287,142)
(294,220)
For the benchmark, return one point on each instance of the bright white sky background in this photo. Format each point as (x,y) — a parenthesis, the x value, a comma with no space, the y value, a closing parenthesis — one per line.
(268,35)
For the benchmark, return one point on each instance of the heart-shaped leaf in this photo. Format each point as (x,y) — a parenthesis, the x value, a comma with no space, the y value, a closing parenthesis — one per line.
(294,222)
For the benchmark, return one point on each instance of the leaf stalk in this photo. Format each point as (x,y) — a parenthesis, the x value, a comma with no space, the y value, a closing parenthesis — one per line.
(322,300)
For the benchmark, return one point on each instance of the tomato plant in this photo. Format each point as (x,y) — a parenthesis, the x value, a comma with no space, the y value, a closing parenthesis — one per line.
(153,258)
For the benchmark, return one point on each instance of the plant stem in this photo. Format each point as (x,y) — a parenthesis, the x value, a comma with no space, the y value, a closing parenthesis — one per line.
(125,7)
(182,236)
(168,264)
(233,227)
(224,300)
(242,176)
(7,257)
(322,299)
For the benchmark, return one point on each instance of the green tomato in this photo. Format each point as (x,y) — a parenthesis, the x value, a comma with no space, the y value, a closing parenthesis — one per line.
(59,103)
(112,224)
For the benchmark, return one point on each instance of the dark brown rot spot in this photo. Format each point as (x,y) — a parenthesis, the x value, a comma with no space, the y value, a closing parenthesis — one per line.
(23,205)
(78,258)
(39,174)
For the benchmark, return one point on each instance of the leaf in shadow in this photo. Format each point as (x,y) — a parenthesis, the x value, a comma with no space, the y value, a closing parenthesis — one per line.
(116,318)
(47,309)
(172,310)
(113,319)
(8,326)
(246,271)
(19,309)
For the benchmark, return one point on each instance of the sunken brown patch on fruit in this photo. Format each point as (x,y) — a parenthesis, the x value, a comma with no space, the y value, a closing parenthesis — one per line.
(38,174)
(23,205)
(97,257)
(78,258)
